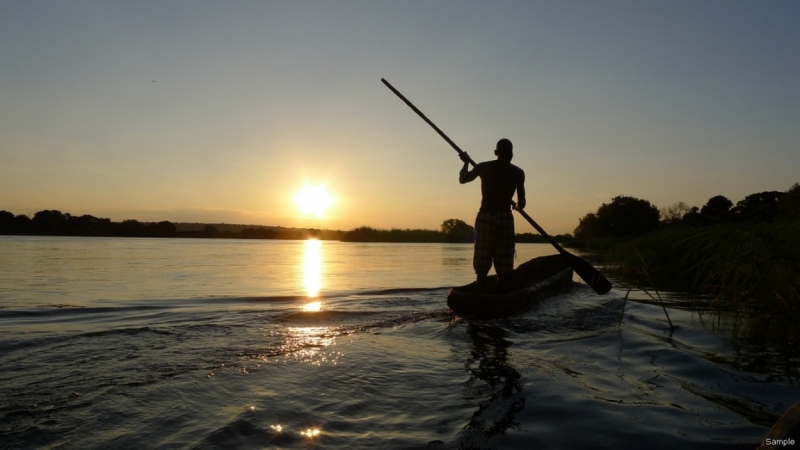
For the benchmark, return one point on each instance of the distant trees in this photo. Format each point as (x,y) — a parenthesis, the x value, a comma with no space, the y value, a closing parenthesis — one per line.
(162,229)
(693,218)
(55,223)
(674,213)
(6,222)
(630,216)
(130,228)
(789,204)
(717,207)
(589,227)
(451,230)
(759,207)
(11,224)
(534,238)
(87,225)
(624,216)
(369,234)
(259,233)
(210,231)
(456,230)
(51,222)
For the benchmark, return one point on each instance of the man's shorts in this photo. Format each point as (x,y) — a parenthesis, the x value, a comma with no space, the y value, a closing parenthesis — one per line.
(494,242)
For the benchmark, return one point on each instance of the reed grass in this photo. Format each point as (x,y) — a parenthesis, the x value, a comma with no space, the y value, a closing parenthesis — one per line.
(738,267)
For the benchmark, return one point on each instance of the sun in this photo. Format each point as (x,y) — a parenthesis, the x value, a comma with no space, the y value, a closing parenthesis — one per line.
(313,200)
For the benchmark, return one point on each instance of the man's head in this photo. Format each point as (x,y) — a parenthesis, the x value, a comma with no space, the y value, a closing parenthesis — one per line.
(504,150)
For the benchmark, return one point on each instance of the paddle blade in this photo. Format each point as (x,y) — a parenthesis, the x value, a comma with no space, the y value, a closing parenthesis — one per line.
(588,273)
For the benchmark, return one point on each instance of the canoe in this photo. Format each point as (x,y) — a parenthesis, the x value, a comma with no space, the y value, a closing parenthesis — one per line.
(785,430)
(532,281)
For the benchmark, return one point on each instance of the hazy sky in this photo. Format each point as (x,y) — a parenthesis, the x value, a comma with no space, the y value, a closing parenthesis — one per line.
(222,111)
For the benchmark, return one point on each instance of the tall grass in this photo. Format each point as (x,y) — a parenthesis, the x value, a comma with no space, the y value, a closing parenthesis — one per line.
(742,267)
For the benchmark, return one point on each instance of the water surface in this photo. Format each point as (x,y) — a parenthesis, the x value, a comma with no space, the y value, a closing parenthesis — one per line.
(181,343)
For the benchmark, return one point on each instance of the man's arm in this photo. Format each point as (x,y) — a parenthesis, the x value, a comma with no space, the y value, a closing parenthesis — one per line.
(521,201)
(465,176)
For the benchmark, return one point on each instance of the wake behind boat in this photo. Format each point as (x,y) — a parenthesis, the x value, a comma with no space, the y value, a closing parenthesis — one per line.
(532,281)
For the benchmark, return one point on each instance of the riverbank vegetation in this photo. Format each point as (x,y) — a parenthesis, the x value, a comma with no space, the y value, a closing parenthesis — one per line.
(740,258)
(56,223)
(369,234)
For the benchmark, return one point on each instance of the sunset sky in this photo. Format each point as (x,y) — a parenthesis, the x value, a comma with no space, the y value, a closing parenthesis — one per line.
(222,111)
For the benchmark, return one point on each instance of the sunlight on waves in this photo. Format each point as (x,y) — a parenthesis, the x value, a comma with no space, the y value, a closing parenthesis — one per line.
(312,269)
(310,432)
(309,345)
(312,307)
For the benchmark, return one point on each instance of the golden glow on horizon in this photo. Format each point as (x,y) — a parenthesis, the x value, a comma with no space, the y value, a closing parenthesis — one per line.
(312,269)
(313,200)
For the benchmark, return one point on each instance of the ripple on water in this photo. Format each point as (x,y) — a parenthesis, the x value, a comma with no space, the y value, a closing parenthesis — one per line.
(401,378)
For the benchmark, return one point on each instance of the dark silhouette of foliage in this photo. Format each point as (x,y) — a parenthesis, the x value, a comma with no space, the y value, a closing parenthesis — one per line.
(629,216)
(624,216)
(533,238)
(694,218)
(87,225)
(457,230)
(369,234)
(50,222)
(745,258)
(210,231)
(675,212)
(589,226)
(760,207)
(751,267)
(55,223)
(9,223)
(130,228)
(161,229)
(717,207)
(24,224)
(789,204)
(259,233)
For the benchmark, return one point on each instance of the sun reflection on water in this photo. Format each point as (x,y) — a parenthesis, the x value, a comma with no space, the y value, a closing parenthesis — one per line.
(310,432)
(312,307)
(312,268)
(308,345)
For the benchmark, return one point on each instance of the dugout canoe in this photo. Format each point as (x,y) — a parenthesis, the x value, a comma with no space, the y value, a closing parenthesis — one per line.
(532,281)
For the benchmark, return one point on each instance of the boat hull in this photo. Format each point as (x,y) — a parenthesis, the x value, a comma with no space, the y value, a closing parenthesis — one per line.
(532,281)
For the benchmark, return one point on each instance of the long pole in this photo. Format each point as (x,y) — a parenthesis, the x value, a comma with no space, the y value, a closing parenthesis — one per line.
(586,271)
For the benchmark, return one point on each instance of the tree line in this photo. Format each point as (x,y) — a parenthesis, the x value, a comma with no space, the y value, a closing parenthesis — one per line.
(742,258)
(628,216)
(56,223)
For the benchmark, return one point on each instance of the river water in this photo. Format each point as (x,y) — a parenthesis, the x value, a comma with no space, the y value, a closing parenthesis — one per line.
(183,343)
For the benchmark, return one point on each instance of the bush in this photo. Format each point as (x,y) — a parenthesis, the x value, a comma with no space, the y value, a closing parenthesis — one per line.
(752,267)
(623,217)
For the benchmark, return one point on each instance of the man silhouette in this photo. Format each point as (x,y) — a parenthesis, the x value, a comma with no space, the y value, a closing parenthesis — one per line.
(494,225)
